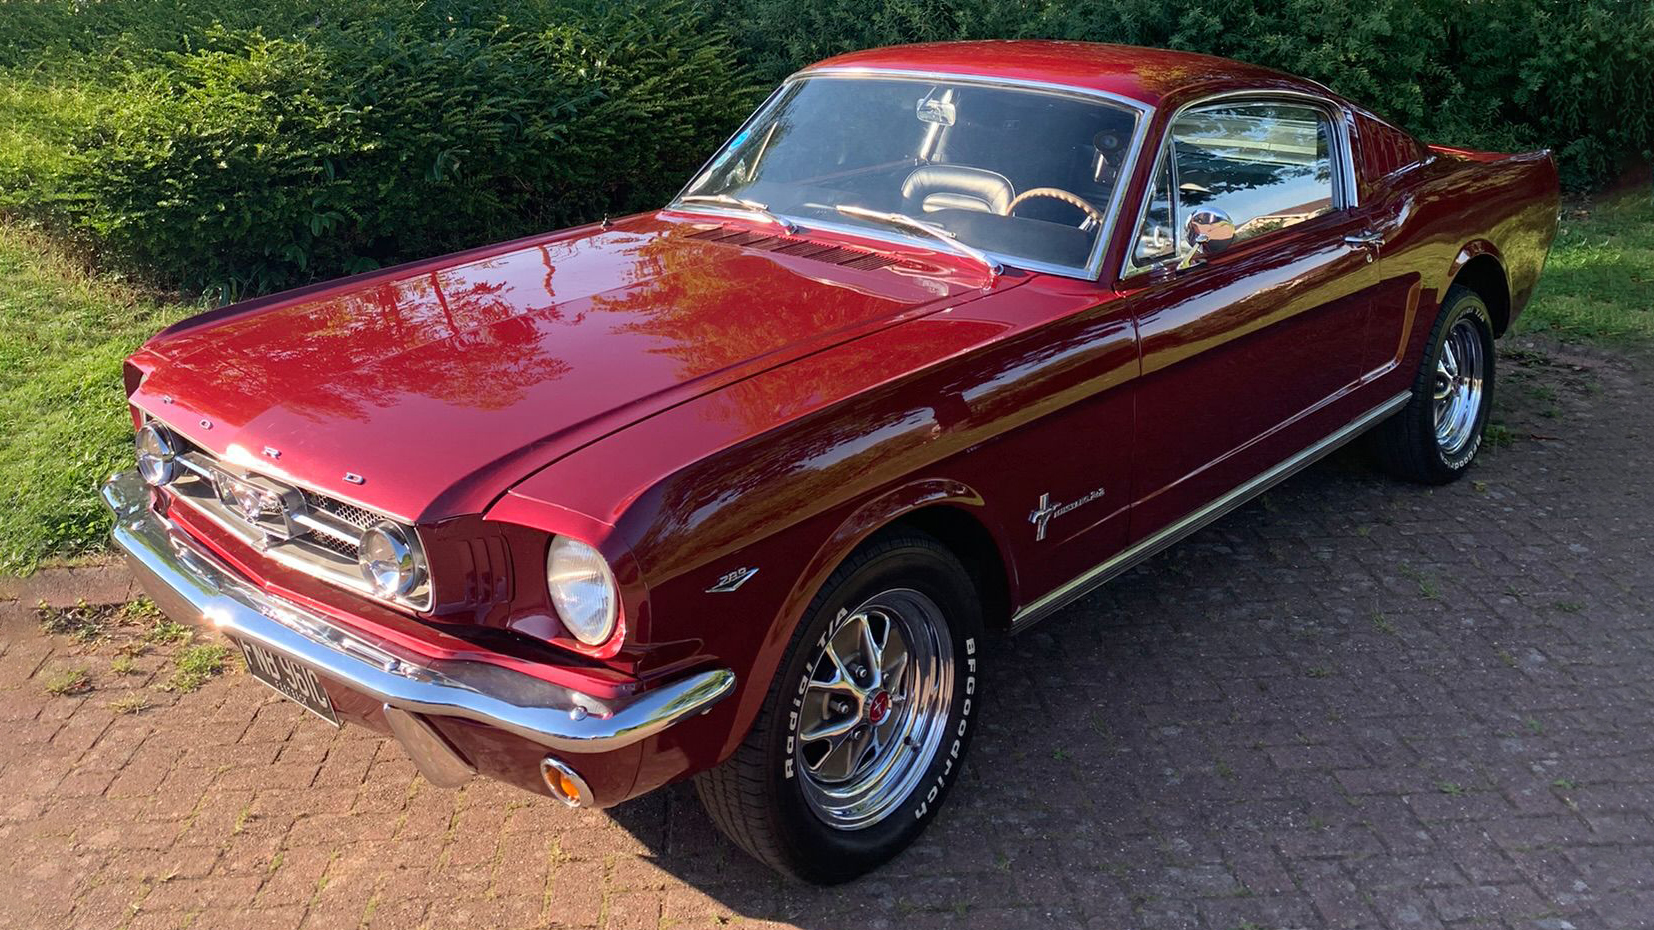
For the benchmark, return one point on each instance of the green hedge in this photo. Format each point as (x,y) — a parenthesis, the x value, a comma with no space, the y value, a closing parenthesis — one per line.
(217,154)
(232,147)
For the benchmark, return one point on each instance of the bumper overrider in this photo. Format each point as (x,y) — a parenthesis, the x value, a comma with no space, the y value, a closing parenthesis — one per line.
(192,585)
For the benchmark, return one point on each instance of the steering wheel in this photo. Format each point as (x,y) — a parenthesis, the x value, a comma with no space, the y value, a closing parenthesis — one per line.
(1056,193)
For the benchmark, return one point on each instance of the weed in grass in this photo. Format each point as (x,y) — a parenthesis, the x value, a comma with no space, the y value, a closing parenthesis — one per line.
(1061,755)
(1534,726)
(1480,487)
(195,665)
(1569,607)
(131,704)
(1566,784)
(1382,624)
(1319,671)
(123,665)
(67,681)
(144,611)
(165,631)
(1498,436)
(1450,788)
(1225,770)
(1506,657)
(81,622)
(1427,585)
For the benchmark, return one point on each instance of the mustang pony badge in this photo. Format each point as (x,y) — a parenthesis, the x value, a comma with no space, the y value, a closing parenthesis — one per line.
(1046,510)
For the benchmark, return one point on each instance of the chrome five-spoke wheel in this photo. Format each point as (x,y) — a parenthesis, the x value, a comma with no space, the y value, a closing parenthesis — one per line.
(1435,437)
(875,708)
(1458,388)
(868,720)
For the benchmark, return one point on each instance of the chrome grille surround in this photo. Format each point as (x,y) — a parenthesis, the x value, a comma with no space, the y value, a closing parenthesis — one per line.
(313,533)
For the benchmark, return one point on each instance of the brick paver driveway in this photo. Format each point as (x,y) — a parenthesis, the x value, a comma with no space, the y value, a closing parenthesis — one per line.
(1353,704)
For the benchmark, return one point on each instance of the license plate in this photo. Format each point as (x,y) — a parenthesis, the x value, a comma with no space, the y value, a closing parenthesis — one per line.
(288,678)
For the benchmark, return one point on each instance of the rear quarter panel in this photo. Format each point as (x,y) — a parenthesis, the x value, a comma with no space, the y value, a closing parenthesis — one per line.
(1437,216)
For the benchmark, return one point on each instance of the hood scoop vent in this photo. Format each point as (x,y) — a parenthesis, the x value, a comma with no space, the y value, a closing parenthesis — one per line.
(844,256)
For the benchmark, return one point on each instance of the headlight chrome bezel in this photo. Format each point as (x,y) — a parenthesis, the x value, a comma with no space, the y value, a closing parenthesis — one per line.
(583,592)
(157,451)
(390,560)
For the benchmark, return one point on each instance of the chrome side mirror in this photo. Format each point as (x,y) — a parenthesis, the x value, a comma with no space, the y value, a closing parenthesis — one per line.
(1208,232)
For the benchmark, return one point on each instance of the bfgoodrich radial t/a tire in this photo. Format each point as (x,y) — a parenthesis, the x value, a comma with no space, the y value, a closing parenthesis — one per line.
(866,724)
(1434,438)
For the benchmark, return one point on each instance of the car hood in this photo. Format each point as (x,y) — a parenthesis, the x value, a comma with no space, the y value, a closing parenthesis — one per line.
(440,384)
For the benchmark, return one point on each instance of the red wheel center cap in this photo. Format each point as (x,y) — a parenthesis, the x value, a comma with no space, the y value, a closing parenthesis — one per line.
(878,707)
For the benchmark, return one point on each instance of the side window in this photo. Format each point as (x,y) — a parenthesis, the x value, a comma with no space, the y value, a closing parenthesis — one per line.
(1265,166)
(1157,238)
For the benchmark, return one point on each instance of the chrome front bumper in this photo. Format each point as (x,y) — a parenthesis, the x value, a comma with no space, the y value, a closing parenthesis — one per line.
(191,585)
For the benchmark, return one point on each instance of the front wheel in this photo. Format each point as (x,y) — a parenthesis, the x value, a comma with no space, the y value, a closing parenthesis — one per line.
(866,724)
(1434,438)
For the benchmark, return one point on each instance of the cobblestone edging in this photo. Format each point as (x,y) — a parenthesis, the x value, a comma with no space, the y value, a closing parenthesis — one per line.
(101,582)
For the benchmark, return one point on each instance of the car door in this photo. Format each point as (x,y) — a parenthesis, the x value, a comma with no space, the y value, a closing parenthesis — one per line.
(1250,337)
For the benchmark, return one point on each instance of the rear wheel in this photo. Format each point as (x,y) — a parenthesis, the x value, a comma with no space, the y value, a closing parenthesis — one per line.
(1434,438)
(867,721)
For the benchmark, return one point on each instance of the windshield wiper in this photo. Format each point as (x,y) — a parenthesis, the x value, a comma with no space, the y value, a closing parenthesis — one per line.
(751,206)
(903,221)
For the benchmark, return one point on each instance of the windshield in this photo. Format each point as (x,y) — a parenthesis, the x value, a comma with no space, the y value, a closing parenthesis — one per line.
(1027,176)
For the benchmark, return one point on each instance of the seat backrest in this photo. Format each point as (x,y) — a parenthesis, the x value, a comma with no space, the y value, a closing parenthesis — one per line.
(955,187)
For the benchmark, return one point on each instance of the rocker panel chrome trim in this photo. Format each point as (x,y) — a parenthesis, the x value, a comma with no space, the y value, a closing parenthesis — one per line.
(1096,577)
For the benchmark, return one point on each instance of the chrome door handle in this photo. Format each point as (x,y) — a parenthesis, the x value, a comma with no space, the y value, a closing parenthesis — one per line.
(1368,240)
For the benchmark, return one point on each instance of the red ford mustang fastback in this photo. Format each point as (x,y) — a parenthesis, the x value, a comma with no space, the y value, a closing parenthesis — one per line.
(942,339)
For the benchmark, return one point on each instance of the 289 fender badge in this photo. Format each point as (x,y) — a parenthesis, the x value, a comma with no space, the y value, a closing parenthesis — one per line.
(729,581)
(1046,510)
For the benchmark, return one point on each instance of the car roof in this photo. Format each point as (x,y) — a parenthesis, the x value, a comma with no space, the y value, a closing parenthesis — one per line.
(1144,75)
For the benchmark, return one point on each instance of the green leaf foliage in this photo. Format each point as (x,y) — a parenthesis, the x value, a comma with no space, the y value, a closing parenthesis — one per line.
(233,148)
(232,156)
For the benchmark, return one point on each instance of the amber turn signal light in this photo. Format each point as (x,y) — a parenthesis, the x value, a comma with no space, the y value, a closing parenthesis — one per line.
(564,783)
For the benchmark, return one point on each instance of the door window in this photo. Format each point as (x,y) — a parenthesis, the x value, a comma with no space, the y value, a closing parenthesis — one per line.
(1264,166)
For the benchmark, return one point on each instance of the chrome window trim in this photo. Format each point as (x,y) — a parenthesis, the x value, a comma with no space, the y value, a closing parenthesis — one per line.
(1346,192)
(1093,268)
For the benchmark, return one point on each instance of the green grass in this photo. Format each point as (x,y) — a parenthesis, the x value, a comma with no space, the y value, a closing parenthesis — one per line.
(63,420)
(1599,283)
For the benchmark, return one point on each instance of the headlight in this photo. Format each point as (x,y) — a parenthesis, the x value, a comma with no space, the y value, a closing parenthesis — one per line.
(389,562)
(582,589)
(157,450)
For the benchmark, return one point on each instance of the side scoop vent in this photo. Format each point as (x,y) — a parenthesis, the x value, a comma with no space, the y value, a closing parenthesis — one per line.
(845,256)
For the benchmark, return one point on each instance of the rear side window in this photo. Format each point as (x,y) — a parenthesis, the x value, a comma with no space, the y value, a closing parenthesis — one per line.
(1384,150)
(1265,166)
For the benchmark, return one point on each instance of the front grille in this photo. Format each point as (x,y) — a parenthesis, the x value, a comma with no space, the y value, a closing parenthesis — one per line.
(309,531)
(359,517)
